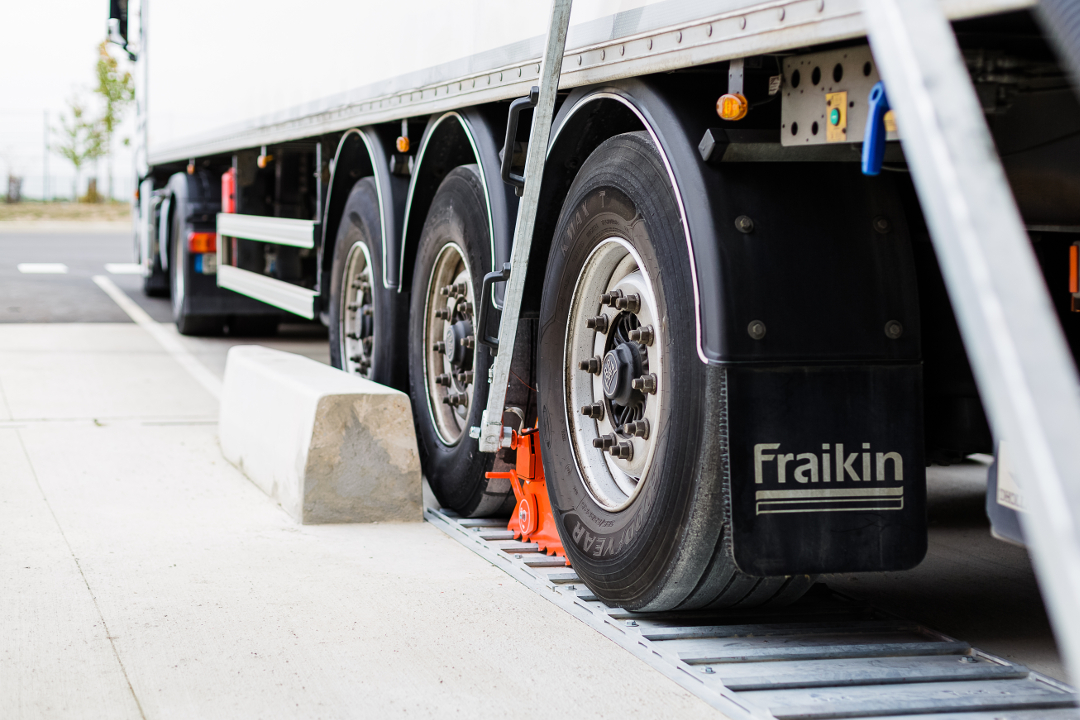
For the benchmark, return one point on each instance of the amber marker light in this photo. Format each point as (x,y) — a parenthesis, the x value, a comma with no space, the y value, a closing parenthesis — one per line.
(403,144)
(202,242)
(732,106)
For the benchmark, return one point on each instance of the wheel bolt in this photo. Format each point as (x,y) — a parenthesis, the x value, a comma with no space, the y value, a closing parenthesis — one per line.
(368,311)
(468,342)
(439,347)
(638,428)
(443,380)
(604,442)
(455,399)
(364,365)
(631,302)
(643,335)
(460,289)
(446,290)
(594,411)
(356,358)
(361,286)
(353,336)
(645,383)
(623,451)
(591,366)
(465,378)
(442,313)
(366,343)
(598,323)
(354,306)
(609,298)
(465,307)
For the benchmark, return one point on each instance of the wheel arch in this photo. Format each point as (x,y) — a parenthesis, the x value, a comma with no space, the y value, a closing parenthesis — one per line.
(459,137)
(361,153)
(587,118)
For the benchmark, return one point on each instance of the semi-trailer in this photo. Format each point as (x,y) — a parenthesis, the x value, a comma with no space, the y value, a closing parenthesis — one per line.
(727,342)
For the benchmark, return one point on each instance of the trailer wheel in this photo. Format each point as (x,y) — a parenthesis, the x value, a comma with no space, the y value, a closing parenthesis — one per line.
(156,281)
(631,419)
(181,270)
(448,370)
(368,330)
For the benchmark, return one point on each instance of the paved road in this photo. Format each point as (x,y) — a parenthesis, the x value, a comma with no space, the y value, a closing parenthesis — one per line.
(970,586)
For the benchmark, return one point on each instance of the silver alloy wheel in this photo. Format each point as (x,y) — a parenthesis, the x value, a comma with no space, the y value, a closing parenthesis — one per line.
(178,288)
(449,343)
(613,363)
(357,313)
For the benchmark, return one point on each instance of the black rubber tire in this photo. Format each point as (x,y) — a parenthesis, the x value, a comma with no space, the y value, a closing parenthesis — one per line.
(181,269)
(669,549)
(253,325)
(361,224)
(156,284)
(458,214)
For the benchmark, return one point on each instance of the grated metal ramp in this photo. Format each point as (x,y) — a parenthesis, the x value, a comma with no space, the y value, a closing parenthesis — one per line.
(827,656)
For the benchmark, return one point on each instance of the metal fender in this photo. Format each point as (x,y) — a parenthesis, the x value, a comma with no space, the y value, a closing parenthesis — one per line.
(452,139)
(361,153)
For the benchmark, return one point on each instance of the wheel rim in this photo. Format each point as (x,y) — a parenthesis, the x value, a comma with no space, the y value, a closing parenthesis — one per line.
(449,344)
(357,313)
(613,363)
(178,276)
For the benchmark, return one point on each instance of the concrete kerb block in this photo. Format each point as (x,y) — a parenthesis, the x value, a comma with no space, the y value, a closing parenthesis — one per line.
(327,446)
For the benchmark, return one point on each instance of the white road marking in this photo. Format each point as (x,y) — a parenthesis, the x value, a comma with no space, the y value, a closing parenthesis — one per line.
(124,268)
(43,268)
(171,344)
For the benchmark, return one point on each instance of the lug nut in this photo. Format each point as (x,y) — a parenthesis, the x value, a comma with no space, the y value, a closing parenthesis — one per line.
(442,313)
(623,451)
(366,342)
(368,311)
(631,302)
(591,366)
(460,288)
(643,335)
(446,290)
(465,378)
(455,399)
(638,428)
(354,306)
(443,380)
(363,366)
(353,336)
(594,411)
(356,358)
(361,286)
(465,307)
(604,442)
(645,383)
(439,347)
(598,323)
(468,342)
(609,298)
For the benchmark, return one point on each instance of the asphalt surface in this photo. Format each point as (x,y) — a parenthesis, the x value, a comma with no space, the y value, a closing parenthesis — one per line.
(970,586)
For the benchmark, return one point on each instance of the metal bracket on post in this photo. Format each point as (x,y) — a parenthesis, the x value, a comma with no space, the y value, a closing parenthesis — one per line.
(1023,366)
(491,427)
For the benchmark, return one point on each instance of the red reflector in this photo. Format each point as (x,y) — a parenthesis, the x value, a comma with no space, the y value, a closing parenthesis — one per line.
(202,242)
(1074,269)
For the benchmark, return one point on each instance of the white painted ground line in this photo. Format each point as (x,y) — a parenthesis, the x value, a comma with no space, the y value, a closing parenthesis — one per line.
(43,268)
(124,268)
(168,341)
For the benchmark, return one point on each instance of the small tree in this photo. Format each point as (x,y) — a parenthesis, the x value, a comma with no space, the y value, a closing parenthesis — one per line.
(117,90)
(80,139)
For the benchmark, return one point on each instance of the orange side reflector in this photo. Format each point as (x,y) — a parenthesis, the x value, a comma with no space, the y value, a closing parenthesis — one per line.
(1074,269)
(403,144)
(202,242)
(732,106)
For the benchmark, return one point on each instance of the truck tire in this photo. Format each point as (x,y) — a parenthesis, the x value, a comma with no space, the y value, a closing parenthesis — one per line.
(448,370)
(368,322)
(156,283)
(181,267)
(631,420)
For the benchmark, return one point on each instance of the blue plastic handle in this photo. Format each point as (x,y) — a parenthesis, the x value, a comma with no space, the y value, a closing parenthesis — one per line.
(873,147)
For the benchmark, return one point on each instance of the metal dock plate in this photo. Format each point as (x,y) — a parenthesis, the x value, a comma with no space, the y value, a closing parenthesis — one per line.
(827,656)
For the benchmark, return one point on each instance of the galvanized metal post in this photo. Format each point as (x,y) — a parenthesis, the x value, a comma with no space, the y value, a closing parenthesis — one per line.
(491,427)
(1025,372)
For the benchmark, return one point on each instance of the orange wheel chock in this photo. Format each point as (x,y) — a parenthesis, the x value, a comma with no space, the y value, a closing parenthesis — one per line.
(532,520)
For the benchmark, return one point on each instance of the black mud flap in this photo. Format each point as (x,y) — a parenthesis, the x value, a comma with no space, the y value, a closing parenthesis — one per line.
(827,472)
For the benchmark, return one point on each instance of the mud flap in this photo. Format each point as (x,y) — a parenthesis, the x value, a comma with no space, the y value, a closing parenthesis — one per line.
(827,471)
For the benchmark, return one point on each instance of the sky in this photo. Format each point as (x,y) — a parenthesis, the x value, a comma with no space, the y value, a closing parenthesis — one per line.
(56,43)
